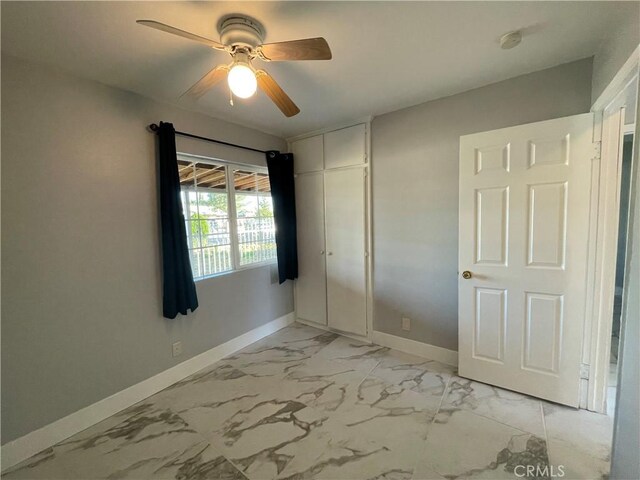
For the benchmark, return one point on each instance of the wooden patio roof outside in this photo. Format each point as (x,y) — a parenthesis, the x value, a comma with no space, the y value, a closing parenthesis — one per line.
(213,177)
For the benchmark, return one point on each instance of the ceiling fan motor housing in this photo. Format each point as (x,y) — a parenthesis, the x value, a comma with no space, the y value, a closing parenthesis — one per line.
(240,31)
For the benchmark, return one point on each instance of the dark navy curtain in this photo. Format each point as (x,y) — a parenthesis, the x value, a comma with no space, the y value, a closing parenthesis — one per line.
(280,167)
(179,290)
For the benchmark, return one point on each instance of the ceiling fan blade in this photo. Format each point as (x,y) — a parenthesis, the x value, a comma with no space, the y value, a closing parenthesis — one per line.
(307,49)
(210,78)
(269,86)
(181,33)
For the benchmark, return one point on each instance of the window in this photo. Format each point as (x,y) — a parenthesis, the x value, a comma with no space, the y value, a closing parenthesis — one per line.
(228,213)
(254,217)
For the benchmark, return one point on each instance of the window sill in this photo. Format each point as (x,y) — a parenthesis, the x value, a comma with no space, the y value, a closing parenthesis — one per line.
(251,266)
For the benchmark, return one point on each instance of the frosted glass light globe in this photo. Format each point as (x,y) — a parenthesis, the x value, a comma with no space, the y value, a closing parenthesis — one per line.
(242,81)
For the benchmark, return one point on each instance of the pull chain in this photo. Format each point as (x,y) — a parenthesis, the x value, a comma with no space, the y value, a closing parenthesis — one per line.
(230,97)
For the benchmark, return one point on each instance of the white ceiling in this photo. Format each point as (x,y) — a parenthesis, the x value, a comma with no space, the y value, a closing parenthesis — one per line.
(386,55)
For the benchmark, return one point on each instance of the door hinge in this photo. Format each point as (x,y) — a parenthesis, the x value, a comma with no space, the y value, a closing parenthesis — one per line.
(597,150)
(584,371)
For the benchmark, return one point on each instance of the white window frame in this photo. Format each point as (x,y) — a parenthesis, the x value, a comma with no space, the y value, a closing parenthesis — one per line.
(231,214)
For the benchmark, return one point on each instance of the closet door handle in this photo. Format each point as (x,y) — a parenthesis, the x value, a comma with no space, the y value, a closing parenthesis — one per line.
(321,252)
(329,253)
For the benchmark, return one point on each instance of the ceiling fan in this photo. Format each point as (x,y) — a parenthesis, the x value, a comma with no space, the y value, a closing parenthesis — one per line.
(241,37)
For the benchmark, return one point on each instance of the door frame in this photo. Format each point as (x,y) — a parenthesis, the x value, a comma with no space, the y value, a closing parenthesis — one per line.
(603,234)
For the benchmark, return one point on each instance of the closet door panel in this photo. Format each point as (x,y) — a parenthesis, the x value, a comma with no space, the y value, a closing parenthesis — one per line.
(345,233)
(308,154)
(311,286)
(345,147)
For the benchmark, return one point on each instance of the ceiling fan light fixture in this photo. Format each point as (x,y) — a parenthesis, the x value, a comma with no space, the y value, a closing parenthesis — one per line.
(242,80)
(241,37)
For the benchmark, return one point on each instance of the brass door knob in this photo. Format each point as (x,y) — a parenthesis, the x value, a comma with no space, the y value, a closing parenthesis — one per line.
(466,274)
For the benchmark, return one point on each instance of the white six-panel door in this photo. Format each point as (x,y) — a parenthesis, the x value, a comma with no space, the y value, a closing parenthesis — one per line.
(524,213)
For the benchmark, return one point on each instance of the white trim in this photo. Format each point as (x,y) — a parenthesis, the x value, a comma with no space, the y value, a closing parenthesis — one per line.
(232,212)
(618,82)
(369,230)
(432,352)
(319,326)
(591,257)
(604,267)
(603,233)
(32,443)
(420,349)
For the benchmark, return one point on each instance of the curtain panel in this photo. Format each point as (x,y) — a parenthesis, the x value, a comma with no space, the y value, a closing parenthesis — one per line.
(280,166)
(179,290)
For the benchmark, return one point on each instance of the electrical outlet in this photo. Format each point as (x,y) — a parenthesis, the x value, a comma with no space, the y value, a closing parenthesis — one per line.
(406,323)
(177,349)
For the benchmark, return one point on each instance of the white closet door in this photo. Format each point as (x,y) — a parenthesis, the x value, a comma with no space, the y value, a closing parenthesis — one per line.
(308,154)
(345,147)
(311,286)
(345,232)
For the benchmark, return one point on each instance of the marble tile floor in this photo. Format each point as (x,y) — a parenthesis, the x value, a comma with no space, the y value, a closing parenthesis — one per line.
(305,403)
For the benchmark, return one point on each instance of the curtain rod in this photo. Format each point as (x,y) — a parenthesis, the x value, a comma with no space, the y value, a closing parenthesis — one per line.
(154,127)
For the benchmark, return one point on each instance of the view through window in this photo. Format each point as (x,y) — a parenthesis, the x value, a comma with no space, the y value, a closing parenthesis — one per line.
(229,215)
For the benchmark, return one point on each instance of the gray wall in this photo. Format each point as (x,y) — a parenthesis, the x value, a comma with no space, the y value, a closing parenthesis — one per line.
(625,462)
(81,299)
(616,49)
(415,191)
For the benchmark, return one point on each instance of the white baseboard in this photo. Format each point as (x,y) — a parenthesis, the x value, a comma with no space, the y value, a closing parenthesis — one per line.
(34,442)
(443,355)
(309,323)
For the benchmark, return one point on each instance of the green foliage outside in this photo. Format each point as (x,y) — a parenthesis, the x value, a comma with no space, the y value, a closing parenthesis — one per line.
(199,225)
(216,202)
(204,224)
(265,209)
